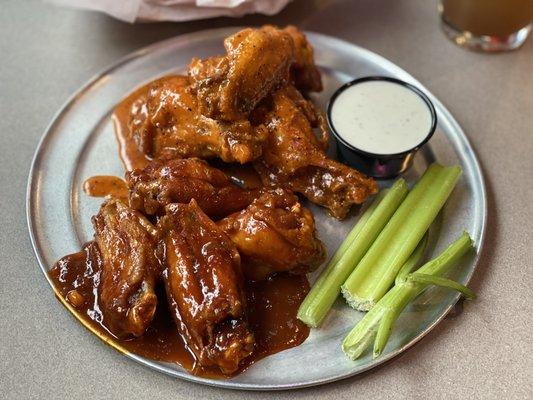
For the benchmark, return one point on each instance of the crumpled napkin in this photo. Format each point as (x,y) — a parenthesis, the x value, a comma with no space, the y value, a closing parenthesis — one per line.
(175,10)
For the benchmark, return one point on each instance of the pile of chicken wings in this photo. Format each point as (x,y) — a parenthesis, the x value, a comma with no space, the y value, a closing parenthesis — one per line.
(188,225)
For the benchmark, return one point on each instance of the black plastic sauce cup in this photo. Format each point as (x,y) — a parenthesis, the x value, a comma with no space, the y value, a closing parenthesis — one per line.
(380,166)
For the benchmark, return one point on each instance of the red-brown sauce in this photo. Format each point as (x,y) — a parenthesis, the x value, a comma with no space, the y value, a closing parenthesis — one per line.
(272,307)
(128,150)
(106,186)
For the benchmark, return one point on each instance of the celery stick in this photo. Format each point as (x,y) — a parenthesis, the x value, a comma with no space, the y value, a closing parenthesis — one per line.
(358,227)
(447,259)
(413,259)
(380,320)
(326,289)
(377,271)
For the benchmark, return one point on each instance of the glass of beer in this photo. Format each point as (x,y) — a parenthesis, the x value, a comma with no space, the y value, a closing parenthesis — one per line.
(487,25)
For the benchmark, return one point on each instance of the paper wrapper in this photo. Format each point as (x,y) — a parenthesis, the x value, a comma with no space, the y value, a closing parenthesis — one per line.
(175,10)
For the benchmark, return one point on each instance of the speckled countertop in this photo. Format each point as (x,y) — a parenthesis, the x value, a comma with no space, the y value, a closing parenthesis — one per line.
(485,352)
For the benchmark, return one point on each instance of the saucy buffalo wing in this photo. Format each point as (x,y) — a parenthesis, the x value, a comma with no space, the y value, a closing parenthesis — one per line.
(275,234)
(257,61)
(179,181)
(205,287)
(295,159)
(129,268)
(168,124)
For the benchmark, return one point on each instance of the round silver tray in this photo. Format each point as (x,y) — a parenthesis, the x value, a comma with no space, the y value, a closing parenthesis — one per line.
(80,143)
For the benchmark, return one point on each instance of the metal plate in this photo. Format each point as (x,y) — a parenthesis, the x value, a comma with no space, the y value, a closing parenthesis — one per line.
(80,143)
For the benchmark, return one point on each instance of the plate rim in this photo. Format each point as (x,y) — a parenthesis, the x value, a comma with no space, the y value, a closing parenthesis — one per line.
(228,383)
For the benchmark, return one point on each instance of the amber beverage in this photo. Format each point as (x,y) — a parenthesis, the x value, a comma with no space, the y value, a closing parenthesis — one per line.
(490,25)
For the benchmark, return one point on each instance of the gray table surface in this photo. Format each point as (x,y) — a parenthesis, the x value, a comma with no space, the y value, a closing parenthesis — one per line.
(46,53)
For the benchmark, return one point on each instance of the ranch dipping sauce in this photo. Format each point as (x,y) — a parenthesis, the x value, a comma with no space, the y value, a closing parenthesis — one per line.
(380,116)
(380,123)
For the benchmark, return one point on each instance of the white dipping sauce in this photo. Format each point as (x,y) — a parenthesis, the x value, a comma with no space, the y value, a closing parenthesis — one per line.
(381,117)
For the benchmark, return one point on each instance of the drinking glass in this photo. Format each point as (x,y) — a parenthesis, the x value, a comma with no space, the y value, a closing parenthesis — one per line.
(487,25)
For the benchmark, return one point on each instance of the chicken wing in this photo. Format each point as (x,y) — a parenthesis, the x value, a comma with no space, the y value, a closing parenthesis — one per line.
(169,125)
(275,233)
(179,181)
(129,268)
(294,158)
(204,285)
(257,61)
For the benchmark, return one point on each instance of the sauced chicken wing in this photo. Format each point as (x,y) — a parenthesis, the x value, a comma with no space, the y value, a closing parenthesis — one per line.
(179,181)
(275,233)
(204,285)
(294,158)
(129,268)
(257,61)
(169,125)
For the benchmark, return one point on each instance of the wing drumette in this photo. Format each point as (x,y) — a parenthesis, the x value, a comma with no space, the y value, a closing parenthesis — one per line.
(204,285)
(257,61)
(275,233)
(179,181)
(129,268)
(169,124)
(294,158)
